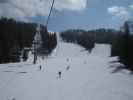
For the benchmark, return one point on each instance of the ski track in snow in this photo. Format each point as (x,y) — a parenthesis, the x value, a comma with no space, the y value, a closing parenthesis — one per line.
(84,76)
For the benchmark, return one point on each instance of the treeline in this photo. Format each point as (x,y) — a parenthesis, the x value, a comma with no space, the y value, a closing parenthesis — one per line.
(87,39)
(15,36)
(104,36)
(80,37)
(123,45)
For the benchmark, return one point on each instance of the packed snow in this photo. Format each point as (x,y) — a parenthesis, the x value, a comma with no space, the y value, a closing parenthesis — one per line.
(83,76)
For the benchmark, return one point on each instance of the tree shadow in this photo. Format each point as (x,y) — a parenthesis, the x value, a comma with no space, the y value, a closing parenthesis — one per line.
(20,65)
(117,67)
(8,71)
(21,72)
(15,66)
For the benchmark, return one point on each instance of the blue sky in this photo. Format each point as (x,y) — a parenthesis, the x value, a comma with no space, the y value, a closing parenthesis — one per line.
(70,14)
(94,16)
(91,17)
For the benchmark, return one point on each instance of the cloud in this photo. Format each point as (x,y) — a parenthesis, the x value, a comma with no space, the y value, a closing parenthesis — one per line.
(23,9)
(131,7)
(3,1)
(119,11)
(70,4)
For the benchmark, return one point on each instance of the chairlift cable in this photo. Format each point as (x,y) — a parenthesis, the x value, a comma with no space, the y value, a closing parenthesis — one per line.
(50,12)
(35,55)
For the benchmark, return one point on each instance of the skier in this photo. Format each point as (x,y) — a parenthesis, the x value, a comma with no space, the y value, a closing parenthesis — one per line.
(68,67)
(40,67)
(67,59)
(59,73)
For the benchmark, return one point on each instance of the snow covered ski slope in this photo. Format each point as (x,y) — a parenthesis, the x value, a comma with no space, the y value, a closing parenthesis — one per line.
(83,76)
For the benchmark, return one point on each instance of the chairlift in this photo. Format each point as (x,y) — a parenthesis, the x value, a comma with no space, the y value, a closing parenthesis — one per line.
(45,31)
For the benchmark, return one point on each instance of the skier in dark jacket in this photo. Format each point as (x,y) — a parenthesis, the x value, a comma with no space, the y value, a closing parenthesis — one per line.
(59,73)
(40,67)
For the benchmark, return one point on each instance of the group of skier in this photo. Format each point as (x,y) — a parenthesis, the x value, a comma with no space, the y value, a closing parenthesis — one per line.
(59,72)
